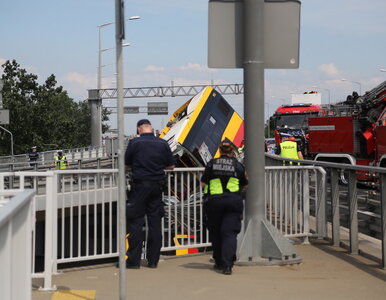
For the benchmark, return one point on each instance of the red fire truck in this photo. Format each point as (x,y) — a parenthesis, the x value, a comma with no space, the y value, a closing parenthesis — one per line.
(353,131)
(293,119)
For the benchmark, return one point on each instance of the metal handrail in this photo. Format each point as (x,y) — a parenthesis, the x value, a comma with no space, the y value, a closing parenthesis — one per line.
(334,170)
(328,164)
(24,157)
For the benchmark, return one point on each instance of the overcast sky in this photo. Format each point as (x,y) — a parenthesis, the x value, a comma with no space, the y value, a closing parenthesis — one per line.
(339,39)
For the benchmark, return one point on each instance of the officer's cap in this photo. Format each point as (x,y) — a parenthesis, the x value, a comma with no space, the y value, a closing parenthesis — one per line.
(143,122)
(227,146)
(60,151)
(34,147)
(226,142)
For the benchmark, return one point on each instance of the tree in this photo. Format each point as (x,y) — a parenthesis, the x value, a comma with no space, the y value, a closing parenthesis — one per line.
(42,115)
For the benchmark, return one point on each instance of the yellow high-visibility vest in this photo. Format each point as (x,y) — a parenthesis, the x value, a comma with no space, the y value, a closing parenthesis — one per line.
(215,186)
(288,149)
(60,163)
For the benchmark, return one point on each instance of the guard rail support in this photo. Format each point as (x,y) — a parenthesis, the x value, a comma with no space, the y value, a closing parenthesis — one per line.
(51,215)
(306,197)
(321,225)
(383,218)
(353,212)
(11,167)
(334,182)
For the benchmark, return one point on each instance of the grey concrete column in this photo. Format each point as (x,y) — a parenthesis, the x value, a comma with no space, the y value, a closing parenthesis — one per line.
(262,243)
(95,105)
(253,65)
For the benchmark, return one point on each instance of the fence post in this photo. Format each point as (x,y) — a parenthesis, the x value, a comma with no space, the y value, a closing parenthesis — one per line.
(353,211)
(306,203)
(321,225)
(10,178)
(334,182)
(383,217)
(51,192)
(55,224)
(98,174)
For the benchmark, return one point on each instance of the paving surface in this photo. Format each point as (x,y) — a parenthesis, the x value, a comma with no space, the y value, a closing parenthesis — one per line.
(326,272)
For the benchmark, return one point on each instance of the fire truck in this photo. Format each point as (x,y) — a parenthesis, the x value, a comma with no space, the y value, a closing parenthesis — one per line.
(293,119)
(353,131)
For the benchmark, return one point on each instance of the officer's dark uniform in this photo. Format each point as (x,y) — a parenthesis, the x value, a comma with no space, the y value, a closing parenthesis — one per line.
(33,156)
(148,156)
(224,178)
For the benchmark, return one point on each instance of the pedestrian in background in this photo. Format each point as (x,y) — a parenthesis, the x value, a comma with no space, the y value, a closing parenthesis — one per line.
(223,181)
(61,161)
(148,157)
(33,156)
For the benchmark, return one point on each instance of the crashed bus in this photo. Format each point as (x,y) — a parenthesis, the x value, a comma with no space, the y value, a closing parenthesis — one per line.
(195,130)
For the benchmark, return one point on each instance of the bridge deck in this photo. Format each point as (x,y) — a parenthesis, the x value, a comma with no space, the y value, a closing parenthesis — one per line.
(326,272)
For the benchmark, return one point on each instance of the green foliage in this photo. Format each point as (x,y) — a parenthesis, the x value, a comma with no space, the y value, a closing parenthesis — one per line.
(42,115)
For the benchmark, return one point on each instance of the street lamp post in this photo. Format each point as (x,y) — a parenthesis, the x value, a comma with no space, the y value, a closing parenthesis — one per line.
(382,70)
(99,76)
(358,83)
(100,50)
(324,89)
(99,82)
(119,37)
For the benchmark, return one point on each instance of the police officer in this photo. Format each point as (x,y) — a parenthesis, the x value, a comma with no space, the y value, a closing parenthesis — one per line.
(288,148)
(147,156)
(61,161)
(33,156)
(223,180)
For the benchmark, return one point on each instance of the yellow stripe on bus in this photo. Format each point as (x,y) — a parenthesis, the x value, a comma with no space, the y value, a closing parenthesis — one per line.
(172,118)
(195,114)
(231,129)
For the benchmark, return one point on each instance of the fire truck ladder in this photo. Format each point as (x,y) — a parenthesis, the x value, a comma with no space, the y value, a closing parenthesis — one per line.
(372,94)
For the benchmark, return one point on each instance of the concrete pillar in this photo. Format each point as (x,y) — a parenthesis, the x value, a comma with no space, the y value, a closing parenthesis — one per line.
(95,105)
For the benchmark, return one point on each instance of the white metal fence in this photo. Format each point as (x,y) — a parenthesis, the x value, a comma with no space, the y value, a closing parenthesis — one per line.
(15,244)
(183,224)
(288,199)
(79,211)
(47,158)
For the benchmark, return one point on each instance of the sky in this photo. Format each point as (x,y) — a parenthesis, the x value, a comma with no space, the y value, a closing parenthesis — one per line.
(338,39)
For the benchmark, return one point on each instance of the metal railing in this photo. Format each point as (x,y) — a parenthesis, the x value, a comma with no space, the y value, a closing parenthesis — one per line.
(80,212)
(85,215)
(184,215)
(47,158)
(15,244)
(287,200)
(334,201)
(60,196)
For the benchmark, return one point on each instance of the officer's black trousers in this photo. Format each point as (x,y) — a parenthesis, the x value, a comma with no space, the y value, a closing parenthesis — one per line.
(144,199)
(224,223)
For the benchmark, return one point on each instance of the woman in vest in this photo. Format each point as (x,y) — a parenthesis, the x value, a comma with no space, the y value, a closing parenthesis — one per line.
(223,180)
